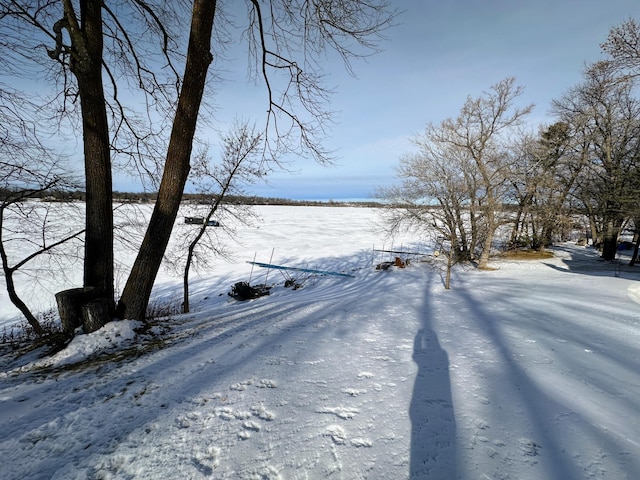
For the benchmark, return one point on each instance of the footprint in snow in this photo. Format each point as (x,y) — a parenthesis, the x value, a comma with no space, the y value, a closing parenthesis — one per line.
(241,386)
(340,412)
(353,392)
(252,426)
(206,460)
(227,413)
(248,428)
(361,442)
(262,413)
(337,434)
(529,447)
(184,421)
(265,383)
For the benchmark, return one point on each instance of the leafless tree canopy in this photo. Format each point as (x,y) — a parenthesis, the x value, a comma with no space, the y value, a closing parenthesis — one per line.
(460,179)
(288,44)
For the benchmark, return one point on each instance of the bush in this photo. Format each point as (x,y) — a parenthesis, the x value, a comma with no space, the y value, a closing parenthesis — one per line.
(22,336)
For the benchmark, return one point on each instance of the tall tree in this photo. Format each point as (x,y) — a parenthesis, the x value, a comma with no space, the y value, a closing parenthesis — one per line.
(623,49)
(74,31)
(483,131)
(137,291)
(546,173)
(85,62)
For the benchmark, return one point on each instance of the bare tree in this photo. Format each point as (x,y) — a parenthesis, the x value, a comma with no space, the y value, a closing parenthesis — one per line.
(432,200)
(465,167)
(604,113)
(547,170)
(483,131)
(623,47)
(240,165)
(137,291)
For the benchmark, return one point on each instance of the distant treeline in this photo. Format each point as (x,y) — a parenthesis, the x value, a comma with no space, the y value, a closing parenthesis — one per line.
(197,198)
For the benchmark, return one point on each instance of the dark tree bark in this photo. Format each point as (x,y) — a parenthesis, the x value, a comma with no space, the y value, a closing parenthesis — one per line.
(636,248)
(610,243)
(96,314)
(70,303)
(86,65)
(135,296)
(20,305)
(98,271)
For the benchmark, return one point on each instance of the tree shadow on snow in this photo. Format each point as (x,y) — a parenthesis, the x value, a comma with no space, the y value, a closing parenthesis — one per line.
(216,350)
(519,415)
(587,261)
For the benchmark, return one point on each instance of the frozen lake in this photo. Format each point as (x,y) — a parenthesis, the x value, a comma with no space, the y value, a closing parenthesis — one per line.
(327,238)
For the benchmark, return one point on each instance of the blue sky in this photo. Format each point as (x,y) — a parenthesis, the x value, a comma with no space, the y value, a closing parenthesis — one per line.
(439,53)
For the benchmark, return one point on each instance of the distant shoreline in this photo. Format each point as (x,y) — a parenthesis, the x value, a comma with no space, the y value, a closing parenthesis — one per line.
(195,198)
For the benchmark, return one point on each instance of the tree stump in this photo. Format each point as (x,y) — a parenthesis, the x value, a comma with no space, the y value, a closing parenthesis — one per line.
(70,304)
(96,314)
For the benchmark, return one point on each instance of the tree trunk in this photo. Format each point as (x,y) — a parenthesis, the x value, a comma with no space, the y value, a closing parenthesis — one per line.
(490,225)
(450,261)
(636,248)
(70,303)
(86,65)
(610,242)
(185,280)
(483,261)
(96,314)
(20,305)
(137,291)
(11,288)
(515,232)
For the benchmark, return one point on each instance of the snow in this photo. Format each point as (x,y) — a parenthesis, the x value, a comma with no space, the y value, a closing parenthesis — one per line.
(528,371)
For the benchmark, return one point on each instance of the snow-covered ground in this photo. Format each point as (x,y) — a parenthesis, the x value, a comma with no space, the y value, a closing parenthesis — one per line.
(528,371)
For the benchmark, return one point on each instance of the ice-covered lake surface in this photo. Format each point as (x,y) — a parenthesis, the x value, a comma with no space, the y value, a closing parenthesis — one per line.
(307,237)
(527,371)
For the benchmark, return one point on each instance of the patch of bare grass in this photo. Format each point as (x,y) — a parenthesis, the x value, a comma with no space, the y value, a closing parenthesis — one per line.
(526,255)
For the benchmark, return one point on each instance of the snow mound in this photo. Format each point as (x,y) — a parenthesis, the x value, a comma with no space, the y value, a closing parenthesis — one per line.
(111,337)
